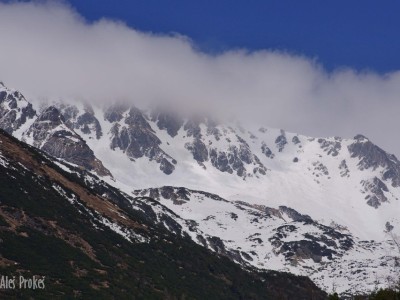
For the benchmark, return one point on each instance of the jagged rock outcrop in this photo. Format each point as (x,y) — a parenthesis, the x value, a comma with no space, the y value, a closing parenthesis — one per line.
(320,169)
(192,128)
(296,140)
(375,190)
(198,149)
(235,159)
(14,109)
(213,130)
(115,113)
(267,151)
(281,141)
(175,193)
(325,243)
(372,157)
(344,169)
(50,134)
(331,147)
(84,121)
(167,121)
(137,139)
(234,156)
(294,215)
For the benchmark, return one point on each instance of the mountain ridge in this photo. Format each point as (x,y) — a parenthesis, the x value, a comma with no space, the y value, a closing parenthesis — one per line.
(345,186)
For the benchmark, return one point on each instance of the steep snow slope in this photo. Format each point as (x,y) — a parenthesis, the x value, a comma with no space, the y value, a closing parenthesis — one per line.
(310,175)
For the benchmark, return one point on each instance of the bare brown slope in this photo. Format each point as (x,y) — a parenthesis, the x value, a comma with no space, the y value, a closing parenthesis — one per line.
(14,152)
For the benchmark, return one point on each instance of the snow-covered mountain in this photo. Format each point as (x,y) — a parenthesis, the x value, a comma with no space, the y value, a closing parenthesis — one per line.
(82,237)
(322,207)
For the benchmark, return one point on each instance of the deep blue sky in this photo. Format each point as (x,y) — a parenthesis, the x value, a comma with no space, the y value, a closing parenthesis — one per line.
(360,34)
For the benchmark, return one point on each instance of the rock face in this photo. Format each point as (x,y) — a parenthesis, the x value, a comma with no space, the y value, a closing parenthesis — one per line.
(296,140)
(324,244)
(137,139)
(223,148)
(84,121)
(267,151)
(373,157)
(387,167)
(281,141)
(50,134)
(375,190)
(115,112)
(235,159)
(331,147)
(198,149)
(344,169)
(50,131)
(167,121)
(14,109)
(174,194)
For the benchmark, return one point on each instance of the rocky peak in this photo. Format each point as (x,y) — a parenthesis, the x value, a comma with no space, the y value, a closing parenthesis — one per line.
(361,138)
(45,123)
(373,157)
(88,122)
(115,113)
(51,114)
(137,139)
(168,121)
(85,120)
(137,119)
(50,133)
(15,110)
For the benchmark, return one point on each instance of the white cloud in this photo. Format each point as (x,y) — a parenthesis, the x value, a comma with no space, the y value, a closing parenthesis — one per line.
(48,50)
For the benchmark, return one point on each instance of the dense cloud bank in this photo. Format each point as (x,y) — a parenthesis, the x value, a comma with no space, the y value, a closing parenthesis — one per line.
(48,51)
